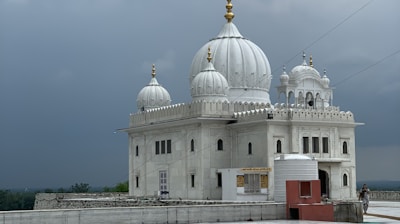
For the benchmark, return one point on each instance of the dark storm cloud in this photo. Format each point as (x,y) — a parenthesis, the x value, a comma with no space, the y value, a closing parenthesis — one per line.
(70,72)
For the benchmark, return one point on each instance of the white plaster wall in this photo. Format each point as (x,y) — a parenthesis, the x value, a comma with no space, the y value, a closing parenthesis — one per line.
(257,137)
(229,190)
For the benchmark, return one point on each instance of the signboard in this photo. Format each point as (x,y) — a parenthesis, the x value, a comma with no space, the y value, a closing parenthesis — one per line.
(256,169)
(240,181)
(264,181)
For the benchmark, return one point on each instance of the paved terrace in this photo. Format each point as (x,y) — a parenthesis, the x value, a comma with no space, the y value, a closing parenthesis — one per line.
(383,212)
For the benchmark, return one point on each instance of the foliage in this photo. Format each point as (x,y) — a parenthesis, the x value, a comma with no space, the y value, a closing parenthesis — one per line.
(48,190)
(120,187)
(80,188)
(16,200)
(61,190)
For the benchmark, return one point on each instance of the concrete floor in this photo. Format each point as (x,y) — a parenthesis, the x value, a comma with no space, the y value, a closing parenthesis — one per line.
(383,212)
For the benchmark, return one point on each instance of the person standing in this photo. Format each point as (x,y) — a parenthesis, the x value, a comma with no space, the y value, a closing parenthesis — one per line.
(364,196)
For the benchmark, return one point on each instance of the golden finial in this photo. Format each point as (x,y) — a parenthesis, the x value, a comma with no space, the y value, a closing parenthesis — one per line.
(209,55)
(311,65)
(153,71)
(229,14)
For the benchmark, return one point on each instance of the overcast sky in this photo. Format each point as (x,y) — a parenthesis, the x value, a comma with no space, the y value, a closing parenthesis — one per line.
(70,72)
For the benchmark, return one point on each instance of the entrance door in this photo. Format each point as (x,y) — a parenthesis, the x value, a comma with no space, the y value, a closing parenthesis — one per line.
(163,183)
(324,179)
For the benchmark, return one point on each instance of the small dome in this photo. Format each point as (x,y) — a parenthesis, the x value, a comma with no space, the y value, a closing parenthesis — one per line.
(325,80)
(284,77)
(209,85)
(153,95)
(303,70)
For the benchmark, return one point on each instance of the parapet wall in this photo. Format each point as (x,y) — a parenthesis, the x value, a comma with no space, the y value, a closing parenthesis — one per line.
(194,109)
(110,200)
(384,195)
(153,214)
(240,111)
(296,114)
(109,208)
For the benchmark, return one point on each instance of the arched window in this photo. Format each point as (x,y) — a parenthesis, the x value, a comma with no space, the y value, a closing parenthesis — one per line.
(345,180)
(250,148)
(344,147)
(309,100)
(192,145)
(220,145)
(137,181)
(137,150)
(278,146)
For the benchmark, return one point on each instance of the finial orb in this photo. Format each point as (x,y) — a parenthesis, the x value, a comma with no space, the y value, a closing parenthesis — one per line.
(229,14)
(153,71)
(209,58)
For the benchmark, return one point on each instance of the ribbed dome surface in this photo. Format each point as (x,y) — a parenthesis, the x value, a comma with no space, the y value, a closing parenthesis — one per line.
(304,70)
(209,85)
(153,96)
(241,62)
(284,78)
(325,81)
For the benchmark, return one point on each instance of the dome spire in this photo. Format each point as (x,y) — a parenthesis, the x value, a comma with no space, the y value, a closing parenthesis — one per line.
(229,14)
(153,71)
(304,58)
(311,64)
(209,55)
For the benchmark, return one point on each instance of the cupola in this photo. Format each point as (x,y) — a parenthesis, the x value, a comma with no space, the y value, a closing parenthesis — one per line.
(153,95)
(209,85)
(284,77)
(304,70)
(325,80)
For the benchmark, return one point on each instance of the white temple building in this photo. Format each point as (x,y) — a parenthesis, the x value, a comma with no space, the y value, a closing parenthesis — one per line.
(187,150)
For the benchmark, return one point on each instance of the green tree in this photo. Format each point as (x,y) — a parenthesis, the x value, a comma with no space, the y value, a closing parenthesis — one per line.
(61,190)
(16,200)
(48,190)
(107,189)
(119,187)
(122,187)
(80,188)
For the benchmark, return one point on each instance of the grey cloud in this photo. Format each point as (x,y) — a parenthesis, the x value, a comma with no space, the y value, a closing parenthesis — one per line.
(70,72)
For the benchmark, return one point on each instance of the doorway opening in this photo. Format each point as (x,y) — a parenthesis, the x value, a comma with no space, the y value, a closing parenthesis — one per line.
(324,179)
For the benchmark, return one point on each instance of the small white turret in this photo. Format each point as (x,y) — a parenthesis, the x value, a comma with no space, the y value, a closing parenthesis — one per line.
(209,85)
(153,95)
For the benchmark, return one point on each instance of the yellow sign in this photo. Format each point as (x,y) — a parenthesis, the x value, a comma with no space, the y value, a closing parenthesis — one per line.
(239,181)
(264,181)
(256,169)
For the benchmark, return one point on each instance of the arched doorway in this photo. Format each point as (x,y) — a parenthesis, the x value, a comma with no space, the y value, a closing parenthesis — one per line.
(324,179)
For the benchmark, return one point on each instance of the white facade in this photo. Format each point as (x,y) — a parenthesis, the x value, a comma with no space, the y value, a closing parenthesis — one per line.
(182,149)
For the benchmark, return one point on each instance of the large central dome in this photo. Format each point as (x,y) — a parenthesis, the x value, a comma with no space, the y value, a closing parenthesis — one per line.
(240,61)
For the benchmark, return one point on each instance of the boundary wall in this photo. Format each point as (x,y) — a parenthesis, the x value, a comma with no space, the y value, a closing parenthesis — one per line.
(384,195)
(45,201)
(151,214)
